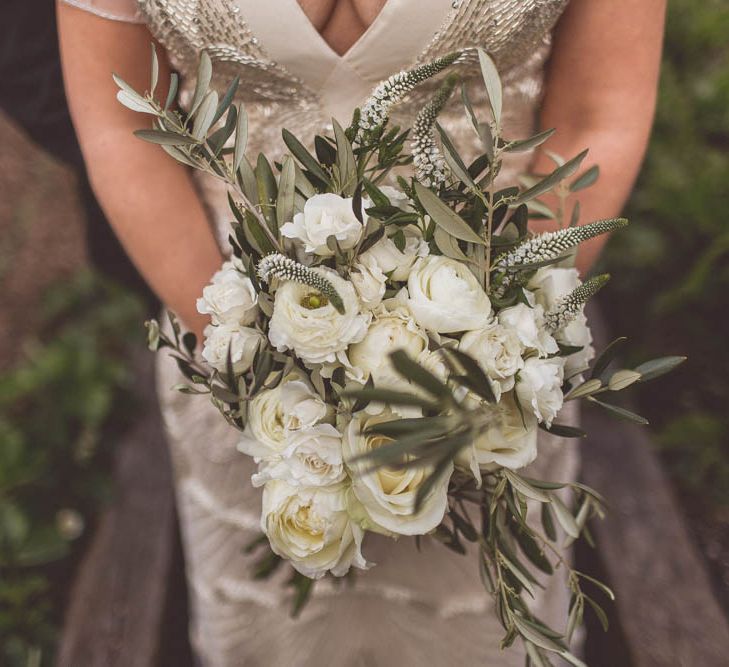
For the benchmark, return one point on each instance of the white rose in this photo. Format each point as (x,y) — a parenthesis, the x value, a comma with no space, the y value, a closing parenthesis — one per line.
(388,494)
(314,329)
(498,351)
(393,261)
(397,197)
(552,282)
(539,386)
(230,298)
(509,441)
(312,457)
(444,296)
(312,528)
(388,332)
(265,434)
(243,343)
(577,334)
(528,323)
(301,405)
(324,216)
(369,281)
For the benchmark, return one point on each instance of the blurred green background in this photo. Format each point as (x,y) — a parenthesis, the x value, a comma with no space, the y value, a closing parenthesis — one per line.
(65,392)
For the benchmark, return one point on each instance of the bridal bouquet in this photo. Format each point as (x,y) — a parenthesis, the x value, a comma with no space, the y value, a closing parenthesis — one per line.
(389,346)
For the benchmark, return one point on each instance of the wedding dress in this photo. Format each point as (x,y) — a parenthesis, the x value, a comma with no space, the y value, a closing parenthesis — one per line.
(414,607)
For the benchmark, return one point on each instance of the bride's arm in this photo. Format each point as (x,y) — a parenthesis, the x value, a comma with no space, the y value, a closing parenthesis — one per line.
(148,198)
(600,94)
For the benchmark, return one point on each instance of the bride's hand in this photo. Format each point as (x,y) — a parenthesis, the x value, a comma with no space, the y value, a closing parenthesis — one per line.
(600,94)
(148,198)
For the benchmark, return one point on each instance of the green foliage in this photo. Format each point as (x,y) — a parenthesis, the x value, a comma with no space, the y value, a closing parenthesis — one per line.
(55,406)
(671,273)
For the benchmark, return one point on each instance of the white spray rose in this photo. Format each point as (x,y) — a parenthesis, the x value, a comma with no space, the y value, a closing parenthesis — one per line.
(577,334)
(312,528)
(388,332)
(393,261)
(301,405)
(230,298)
(324,215)
(312,457)
(552,282)
(243,343)
(444,296)
(369,281)
(498,351)
(388,495)
(528,323)
(510,440)
(305,322)
(539,386)
(397,197)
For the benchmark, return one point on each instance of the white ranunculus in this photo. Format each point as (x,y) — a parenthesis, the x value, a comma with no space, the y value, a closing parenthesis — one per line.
(265,434)
(388,332)
(312,457)
(316,334)
(369,281)
(498,351)
(393,261)
(324,215)
(509,441)
(539,386)
(528,323)
(388,494)
(552,282)
(445,297)
(230,298)
(312,528)
(243,343)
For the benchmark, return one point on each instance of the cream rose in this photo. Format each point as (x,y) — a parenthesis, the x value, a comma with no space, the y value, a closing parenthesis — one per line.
(312,528)
(369,281)
(498,351)
(243,343)
(539,386)
(577,334)
(552,282)
(312,457)
(324,215)
(445,297)
(301,405)
(509,440)
(305,322)
(528,324)
(393,261)
(388,495)
(230,298)
(265,434)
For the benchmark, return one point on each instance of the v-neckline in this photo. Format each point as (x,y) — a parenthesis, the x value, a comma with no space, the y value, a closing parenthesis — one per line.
(353,46)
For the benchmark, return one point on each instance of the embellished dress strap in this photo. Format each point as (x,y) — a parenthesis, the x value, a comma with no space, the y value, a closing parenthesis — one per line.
(126,11)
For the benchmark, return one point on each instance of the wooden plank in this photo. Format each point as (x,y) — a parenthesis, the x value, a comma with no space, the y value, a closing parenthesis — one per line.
(665,603)
(117,603)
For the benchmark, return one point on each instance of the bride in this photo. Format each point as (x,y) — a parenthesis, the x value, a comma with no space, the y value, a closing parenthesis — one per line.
(586,67)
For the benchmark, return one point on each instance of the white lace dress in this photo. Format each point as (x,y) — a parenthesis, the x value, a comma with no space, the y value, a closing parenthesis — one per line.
(412,608)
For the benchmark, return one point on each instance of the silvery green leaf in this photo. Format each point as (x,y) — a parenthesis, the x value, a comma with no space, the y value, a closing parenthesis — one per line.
(600,613)
(586,180)
(535,637)
(227,100)
(584,389)
(564,516)
(445,217)
(620,412)
(204,75)
(534,655)
(563,430)
(205,115)
(454,161)
(519,574)
(286,186)
(302,155)
(546,184)
(603,587)
(241,138)
(492,81)
(414,372)
(125,86)
(607,355)
(525,488)
(172,92)
(657,367)
(178,155)
(345,160)
(448,245)
(267,191)
(165,138)
(248,180)
(572,659)
(135,102)
(302,183)
(154,76)
(623,378)
(530,143)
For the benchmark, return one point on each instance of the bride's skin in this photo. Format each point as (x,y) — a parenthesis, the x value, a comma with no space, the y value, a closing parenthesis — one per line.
(600,93)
